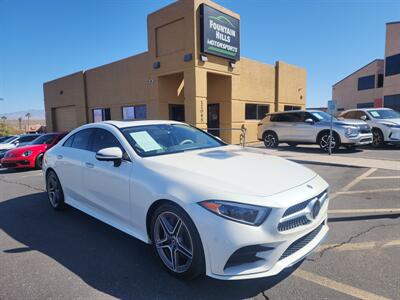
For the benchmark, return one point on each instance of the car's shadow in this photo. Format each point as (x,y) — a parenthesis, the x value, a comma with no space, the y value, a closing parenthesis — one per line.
(315,150)
(107,259)
(15,171)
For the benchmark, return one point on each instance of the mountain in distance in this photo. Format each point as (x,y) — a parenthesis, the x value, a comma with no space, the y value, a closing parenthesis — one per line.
(36,114)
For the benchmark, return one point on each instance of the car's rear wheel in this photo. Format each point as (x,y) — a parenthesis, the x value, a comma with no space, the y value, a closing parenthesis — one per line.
(270,139)
(54,191)
(377,138)
(177,242)
(39,161)
(324,139)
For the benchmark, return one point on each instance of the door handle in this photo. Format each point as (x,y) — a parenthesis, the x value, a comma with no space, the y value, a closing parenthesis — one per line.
(89,165)
(59,157)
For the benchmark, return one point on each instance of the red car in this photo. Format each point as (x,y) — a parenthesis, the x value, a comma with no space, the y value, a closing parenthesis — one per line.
(31,156)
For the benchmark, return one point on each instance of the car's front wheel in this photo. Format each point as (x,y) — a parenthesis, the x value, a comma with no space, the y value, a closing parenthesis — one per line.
(325,138)
(54,191)
(177,242)
(377,138)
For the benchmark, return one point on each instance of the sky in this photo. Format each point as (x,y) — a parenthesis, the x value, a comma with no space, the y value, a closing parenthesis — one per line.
(44,39)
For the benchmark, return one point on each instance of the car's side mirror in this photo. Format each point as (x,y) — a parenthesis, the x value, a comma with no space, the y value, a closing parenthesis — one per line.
(364,118)
(110,154)
(309,121)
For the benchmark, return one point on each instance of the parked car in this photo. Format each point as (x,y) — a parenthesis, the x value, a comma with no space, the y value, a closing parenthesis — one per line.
(4,138)
(16,141)
(31,155)
(310,127)
(205,206)
(385,123)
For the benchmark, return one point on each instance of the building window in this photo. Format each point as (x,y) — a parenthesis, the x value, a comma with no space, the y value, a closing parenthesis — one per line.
(365,105)
(256,111)
(392,101)
(177,112)
(134,112)
(392,65)
(366,82)
(380,80)
(291,107)
(101,114)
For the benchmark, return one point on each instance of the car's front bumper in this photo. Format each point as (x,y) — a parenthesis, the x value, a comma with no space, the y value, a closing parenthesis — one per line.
(274,252)
(361,139)
(16,163)
(393,136)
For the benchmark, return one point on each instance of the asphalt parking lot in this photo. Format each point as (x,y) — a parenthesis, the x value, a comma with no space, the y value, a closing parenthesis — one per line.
(47,254)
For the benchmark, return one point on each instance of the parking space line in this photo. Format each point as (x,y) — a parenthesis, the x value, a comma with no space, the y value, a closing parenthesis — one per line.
(337,286)
(368,191)
(392,244)
(363,211)
(353,183)
(359,246)
(382,177)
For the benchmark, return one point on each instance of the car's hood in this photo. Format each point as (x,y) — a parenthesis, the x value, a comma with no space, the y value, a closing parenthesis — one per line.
(22,149)
(232,169)
(350,122)
(389,121)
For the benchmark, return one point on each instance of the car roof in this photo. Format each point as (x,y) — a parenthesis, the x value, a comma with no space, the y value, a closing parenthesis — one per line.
(294,111)
(367,109)
(124,124)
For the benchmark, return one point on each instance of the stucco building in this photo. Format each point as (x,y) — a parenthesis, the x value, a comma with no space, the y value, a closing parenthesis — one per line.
(377,84)
(192,72)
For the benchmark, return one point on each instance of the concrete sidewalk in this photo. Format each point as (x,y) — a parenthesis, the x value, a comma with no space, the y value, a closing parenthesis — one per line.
(324,158)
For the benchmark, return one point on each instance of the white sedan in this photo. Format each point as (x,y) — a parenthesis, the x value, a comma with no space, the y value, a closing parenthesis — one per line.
(205,206)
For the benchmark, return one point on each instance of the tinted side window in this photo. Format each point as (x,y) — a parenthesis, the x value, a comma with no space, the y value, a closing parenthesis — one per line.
(68,142)
(392,65)
(81,139)
(293,117)
(104,139)
(366,82)
(26,139)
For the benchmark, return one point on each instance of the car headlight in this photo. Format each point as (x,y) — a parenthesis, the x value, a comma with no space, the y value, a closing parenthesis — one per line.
(351,131)
(391,125)
(242,213)
(27,153)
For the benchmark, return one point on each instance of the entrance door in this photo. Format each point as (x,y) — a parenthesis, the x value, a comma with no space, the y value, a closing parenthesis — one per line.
(213,118)
(177,112)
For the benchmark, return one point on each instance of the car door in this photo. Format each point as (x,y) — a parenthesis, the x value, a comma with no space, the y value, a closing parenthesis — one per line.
(108,186)
(302,131)
(69,165)
(282,126)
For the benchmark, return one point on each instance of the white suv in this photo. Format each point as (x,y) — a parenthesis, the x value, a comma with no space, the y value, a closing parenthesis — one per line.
(385,123)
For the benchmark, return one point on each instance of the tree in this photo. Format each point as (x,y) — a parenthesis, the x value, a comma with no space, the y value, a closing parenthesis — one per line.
(28,115)
(20,123)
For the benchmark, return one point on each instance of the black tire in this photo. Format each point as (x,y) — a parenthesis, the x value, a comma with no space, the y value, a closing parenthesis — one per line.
(270,140)
(187,238)
(55,192)
(292,144)
(38,161)
(377,138)
(323,141)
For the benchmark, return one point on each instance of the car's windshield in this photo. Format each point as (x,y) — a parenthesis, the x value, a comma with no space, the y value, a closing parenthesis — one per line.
(8,140)
(384,114)
(323,116)
(44,139)
(151,140)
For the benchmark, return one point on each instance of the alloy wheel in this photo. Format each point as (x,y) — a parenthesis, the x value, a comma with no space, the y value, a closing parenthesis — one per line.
(376,138)
(53,190)
(324,142)
(270,141)
(173,242)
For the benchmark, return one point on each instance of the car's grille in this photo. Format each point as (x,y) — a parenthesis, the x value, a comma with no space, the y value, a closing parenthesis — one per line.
(302,218)
(301,242)
(365,129)
(297,222)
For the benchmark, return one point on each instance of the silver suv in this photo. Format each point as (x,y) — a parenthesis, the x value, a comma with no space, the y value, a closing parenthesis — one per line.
(310,127)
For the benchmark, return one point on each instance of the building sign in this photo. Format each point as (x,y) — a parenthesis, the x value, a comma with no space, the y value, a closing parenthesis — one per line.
(219,33)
